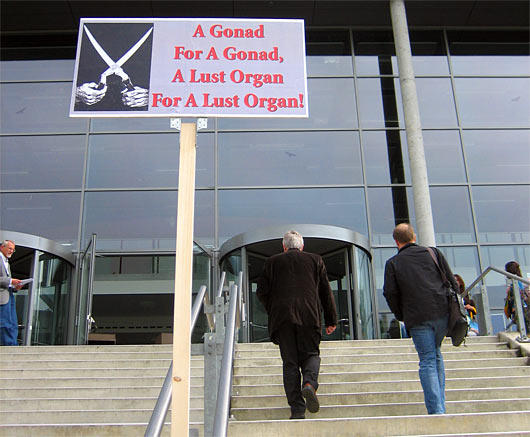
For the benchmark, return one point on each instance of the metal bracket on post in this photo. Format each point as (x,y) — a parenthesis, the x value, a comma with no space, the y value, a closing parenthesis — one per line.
(176,123)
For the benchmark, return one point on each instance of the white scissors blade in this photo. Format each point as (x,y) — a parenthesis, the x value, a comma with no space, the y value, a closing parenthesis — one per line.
(108,60)
(134,48)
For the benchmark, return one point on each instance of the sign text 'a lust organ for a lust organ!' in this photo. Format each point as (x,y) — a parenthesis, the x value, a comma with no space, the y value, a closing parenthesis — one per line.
(190,68)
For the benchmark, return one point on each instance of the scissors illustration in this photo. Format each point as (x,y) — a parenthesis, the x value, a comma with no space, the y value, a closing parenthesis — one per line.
(116,67)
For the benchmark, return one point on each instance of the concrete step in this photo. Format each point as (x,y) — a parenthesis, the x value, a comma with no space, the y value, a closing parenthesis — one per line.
(87,392)
(390,409)
(397,375)
(87,356)
(358,350)
(402,365)
(90,382)
(96,348)
(99,403)
(388,386)
(382,357)
(85,416)
(279,400)
(94,373)
(89,430)
(92,364)
(458,424)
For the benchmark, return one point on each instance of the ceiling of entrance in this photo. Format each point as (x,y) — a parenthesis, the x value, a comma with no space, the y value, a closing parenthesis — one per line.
(32,17)
(315,245)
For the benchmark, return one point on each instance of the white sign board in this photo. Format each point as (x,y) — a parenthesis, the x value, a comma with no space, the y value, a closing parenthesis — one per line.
(190,68)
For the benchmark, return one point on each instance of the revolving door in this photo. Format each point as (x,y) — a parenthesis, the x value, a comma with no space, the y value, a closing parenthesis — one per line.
(348,264)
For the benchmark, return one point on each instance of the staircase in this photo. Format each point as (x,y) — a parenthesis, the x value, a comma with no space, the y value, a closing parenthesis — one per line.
(367,388)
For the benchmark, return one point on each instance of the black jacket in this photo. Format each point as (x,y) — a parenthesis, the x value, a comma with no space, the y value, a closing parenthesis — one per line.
(414,289)
(294,288)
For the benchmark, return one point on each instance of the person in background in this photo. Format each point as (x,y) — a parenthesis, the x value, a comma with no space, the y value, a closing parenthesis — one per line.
(8,286)
(294,289)
(514,268)
(469,305)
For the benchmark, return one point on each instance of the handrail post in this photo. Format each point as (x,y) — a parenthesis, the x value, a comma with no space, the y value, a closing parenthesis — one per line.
(213,350)
(222,409)
(484,316)
(519,314)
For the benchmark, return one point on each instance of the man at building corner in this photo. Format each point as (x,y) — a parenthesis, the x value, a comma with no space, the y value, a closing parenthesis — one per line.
(294,289)
(417,295)
(8,286)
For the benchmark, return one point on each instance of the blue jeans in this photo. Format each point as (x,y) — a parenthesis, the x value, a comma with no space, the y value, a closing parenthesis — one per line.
(427,339)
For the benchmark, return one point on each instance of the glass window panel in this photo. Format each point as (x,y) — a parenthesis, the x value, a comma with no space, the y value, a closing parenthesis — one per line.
(502,213)
(142,220)
(490,65)
(243,210)
(498,256)
(451,213)
(435,100)
(56,69)
(331,106)
(289,158)
(386,157)
(463,261)
(498,155)
(380,257)
(23,106)
(329,66)
(145,160)
(389,206)
(380,103)
(491,102)
(487,53)
(375,53)
(50,215)
(31,162)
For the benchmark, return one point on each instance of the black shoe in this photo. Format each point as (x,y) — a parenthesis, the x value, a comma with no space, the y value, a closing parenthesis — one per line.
(297,416)
(311,400)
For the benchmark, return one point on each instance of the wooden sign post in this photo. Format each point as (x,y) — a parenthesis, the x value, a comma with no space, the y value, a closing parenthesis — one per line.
(183,282)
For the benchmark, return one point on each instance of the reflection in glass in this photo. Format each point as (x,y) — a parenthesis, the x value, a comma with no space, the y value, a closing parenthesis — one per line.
(142,220)
(41,162)
(451,211)
(243,210)
(329,66)
(380,257)
(23,106)
(50,215)
(51,289)
(493,102)
(389,206)
(364,290)
(289,158)
(502,213)
(490,65)
(498,155)
(144,160)
(331,106)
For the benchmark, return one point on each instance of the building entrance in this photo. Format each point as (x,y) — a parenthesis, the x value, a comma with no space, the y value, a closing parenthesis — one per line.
(42,306)
(348,264)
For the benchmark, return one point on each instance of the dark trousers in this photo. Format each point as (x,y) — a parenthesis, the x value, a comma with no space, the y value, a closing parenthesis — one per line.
(299,348)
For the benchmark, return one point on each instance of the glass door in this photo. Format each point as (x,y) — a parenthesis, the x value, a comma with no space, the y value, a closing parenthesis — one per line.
(85,287)
(338,274)
(257,316)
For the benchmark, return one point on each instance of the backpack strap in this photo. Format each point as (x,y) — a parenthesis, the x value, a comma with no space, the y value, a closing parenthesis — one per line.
(442,273)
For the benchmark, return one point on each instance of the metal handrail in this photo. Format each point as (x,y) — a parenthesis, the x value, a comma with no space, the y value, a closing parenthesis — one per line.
(222,409)
(517,296)
(156,422)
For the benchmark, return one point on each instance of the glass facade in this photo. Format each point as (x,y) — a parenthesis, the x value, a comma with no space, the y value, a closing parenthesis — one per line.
(346,165)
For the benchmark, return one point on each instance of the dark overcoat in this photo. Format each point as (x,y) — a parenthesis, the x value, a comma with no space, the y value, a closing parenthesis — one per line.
(294,288)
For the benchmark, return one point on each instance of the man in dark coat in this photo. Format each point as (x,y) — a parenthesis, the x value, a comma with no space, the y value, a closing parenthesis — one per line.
(294,289)
(417,295)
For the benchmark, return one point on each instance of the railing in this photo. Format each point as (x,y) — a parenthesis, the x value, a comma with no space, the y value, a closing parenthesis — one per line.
(164,399)
(222,409)
(484,315)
